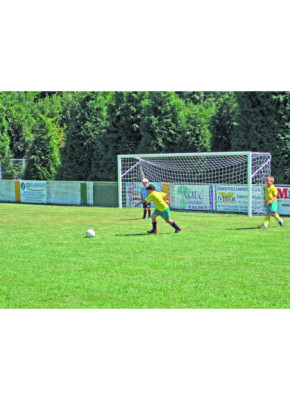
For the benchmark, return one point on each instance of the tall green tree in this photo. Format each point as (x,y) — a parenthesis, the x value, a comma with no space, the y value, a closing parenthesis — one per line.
(122,134)
(16,109)
(86,125)
(43,157)
(223,122)
(161,124)
(57,105)
(4,139)
(7,170)
(263,125)
(195,128)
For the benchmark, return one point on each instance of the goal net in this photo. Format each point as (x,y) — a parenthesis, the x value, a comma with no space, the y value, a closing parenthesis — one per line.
(215,182)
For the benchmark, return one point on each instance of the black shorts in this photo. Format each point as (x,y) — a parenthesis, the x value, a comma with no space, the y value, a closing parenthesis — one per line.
(147,205)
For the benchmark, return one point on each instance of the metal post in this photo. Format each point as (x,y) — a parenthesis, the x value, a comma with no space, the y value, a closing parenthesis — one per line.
(250,184)
(119,182)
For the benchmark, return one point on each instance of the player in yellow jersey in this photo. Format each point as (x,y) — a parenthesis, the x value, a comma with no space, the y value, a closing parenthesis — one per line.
(271,203)
(161,203)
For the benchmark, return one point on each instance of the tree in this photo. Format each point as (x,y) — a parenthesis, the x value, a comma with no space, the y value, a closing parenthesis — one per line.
(7,170)
(263,125)
(85,126)
(16,109)
(195,133)
(161,125)
(122,134)
(197,97)
(43,157)
(223,122)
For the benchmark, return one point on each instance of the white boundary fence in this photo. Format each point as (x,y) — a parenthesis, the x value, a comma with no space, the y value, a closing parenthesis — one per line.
(88,193)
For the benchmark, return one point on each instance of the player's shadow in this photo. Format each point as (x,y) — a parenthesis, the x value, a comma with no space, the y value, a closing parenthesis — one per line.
(142,234)
(241,229)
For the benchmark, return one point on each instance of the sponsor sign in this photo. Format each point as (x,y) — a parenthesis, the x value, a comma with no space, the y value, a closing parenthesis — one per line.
(133,192)
(283,199)
(232,198)
(258,199)
(194,197)
(33,192)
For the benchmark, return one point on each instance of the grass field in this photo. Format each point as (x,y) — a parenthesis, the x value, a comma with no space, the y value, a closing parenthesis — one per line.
(217,261)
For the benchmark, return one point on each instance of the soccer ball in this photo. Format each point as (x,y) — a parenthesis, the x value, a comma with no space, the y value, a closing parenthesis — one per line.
(90,233)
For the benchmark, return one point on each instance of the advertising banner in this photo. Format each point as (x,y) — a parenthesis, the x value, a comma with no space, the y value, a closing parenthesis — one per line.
(194,197)
(133,192)
(258,199)
(33,192)
(232,198)
(283,200)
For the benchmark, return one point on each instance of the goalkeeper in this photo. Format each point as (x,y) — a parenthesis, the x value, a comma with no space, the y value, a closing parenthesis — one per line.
(146,206)
(162,209)
(271,203)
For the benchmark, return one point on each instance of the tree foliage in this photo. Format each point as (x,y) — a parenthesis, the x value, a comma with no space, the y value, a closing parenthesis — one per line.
(86,125)
(195,128)
(263,125)
(222,125)
(43,157)
(161,124)
(78,135)
(122,133)
(6,164)
(16,113)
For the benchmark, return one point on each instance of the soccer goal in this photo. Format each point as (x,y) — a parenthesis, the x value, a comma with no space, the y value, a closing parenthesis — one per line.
(231,182)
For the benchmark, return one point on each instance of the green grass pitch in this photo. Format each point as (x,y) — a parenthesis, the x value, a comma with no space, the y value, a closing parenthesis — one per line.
(217,261)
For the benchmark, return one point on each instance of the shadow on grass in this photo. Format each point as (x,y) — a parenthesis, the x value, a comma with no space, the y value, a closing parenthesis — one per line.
(143,234)
(242,229)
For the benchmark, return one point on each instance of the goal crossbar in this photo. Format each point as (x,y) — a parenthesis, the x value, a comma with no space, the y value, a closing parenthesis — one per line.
(233,153)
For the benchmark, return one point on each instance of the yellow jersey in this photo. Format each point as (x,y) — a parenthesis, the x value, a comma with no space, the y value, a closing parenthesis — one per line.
(157,198)
(271,192)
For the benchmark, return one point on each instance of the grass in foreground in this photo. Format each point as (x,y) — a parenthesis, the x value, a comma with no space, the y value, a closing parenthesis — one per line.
(217,261)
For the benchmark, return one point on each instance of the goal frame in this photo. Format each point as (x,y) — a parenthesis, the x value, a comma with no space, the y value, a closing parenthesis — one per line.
(247,153)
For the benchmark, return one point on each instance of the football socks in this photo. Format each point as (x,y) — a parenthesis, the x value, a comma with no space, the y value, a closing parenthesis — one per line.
(174,225)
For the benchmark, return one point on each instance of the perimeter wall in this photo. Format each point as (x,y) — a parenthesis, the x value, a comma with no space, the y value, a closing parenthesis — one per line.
(98,194)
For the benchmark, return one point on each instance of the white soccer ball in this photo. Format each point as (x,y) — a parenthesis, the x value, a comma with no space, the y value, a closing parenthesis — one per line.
(90,233)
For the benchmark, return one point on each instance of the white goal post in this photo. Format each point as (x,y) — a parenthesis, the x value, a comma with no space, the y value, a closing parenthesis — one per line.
(231,182)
